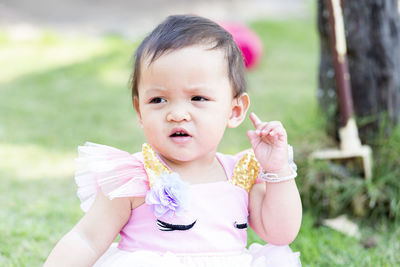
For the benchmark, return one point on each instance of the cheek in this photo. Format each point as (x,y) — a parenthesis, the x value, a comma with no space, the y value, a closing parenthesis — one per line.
(150,115)
(153,119)
(146,123)
(152,132)
(214,124)
(225,112)
(151,124)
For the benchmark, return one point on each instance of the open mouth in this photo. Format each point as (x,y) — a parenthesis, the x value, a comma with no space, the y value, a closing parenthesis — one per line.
(180,136)
(179,133)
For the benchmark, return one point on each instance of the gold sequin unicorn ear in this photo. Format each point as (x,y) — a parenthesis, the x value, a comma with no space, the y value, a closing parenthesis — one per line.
(246,171)
(153,165)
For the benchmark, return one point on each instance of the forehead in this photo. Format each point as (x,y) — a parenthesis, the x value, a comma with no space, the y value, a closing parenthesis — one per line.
(195,53)
(185,67)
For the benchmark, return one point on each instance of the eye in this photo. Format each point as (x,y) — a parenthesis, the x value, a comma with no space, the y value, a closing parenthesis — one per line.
(157,100)
(163,226)
(199,98)
(240,225)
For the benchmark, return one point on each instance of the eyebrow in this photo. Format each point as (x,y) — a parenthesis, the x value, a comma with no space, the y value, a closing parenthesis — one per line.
(199,89)
(195,89)
(156,89)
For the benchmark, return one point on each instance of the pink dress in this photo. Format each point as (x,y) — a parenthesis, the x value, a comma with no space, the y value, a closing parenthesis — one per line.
(203,226)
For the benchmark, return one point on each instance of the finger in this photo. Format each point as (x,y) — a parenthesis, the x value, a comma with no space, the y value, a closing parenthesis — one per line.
(267,128)
(253,138)
(260,127)
(251,135)
(278,133)
(255,120)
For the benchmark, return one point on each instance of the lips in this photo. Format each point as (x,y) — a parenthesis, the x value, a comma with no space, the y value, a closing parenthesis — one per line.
(180,135)
(179,132)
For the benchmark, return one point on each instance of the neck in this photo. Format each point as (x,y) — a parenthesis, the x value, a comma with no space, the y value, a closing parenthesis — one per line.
(199,163)
(195,170)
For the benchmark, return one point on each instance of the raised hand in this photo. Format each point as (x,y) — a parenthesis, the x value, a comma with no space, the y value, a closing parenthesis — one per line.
(269,142)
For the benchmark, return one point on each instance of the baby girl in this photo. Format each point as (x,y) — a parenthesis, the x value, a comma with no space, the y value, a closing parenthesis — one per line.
(179,202)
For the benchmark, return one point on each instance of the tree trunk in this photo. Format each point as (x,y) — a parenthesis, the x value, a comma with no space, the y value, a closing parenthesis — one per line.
(373,53)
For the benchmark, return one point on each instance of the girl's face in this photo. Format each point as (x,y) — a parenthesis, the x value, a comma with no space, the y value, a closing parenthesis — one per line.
(185,103)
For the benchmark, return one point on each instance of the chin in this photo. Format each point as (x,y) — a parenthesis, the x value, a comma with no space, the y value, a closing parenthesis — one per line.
(181,157)
(174,154)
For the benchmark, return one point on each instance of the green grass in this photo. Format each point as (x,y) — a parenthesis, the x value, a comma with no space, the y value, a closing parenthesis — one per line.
(321,246)
(58,92)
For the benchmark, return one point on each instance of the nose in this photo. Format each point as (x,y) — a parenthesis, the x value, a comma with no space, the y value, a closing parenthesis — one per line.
(178,114)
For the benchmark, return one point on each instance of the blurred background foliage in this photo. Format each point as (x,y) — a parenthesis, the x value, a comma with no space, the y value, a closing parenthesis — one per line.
(332,188)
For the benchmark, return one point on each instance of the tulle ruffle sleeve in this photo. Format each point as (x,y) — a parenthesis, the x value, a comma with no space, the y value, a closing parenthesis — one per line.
(117,173)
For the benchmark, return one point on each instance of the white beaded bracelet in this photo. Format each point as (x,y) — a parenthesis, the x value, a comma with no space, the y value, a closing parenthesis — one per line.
(273,177)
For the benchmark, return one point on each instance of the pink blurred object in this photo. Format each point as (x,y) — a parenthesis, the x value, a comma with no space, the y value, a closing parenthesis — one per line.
(248,42)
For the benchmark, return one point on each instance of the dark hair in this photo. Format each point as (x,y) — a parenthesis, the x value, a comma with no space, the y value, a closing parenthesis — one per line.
(180,31)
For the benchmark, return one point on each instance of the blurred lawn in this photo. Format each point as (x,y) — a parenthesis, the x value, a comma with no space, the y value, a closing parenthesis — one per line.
(58,92)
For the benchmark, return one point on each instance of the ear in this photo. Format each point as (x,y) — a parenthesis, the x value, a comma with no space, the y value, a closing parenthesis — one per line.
(240,105)
(137,109)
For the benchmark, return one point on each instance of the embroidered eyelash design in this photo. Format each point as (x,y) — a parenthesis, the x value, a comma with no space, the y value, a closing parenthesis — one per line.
(240,225)
(163,226)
